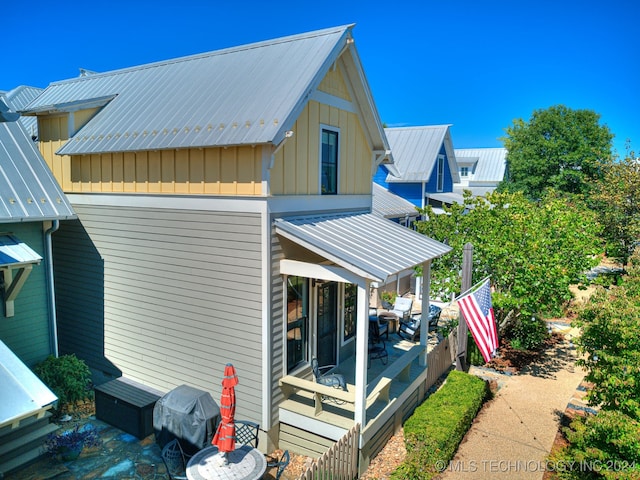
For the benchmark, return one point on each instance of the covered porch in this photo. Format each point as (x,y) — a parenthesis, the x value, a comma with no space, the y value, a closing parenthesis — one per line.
(350,251)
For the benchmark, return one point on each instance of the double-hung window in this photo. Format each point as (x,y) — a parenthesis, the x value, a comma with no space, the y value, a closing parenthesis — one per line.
(329,161)
(440,177)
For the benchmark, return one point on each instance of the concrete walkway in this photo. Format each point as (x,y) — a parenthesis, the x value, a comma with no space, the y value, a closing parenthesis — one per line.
(514,432)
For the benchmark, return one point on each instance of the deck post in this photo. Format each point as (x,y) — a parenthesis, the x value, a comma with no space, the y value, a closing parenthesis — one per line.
(362,340)
(424,323)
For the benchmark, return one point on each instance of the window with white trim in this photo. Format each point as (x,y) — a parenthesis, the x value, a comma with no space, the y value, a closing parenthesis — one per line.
(440,172)
(329,161)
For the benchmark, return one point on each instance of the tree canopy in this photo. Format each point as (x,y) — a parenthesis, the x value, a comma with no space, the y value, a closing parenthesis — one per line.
(532,250)
(557,148)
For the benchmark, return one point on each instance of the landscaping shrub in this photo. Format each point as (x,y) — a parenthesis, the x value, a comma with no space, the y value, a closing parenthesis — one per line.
(604,446)
(436,428)
(67,376)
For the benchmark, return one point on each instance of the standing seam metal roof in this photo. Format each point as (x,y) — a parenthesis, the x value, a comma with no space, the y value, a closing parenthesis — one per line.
(28,190)
(235,96)
(389,205)
(415,150)
(491,163)
(368,245)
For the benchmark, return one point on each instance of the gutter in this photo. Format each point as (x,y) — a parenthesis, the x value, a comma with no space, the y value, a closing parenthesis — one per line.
(51,307)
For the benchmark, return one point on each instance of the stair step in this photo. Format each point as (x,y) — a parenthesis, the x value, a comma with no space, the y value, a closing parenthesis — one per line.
(33,436)
(26,424)
(20,461)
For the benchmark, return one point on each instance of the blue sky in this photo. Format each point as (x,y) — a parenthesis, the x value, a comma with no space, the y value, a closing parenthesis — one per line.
(473,64)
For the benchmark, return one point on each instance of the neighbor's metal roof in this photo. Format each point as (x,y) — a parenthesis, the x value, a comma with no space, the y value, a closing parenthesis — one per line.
(20,97)
(491,163)
(249,94)
(389,205)
(363,243)
(415,150)
(28,190)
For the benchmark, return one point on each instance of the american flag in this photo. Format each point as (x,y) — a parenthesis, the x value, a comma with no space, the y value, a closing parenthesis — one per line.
(477,310)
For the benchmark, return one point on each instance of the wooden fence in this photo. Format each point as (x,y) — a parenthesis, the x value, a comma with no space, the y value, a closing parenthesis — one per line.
(440,359)
(340,462)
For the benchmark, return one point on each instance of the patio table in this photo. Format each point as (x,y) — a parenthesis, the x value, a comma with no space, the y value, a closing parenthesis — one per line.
(244,463)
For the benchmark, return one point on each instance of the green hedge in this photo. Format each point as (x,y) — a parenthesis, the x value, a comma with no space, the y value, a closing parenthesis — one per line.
(436,428)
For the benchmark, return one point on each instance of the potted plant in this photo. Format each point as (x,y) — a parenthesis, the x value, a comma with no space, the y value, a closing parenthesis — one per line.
(388,299)
(68,444)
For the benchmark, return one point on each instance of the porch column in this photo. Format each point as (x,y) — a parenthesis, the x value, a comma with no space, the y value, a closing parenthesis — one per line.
(424,323)
(362,340)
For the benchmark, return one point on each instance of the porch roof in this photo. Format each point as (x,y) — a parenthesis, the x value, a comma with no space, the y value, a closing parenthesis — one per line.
(363,243)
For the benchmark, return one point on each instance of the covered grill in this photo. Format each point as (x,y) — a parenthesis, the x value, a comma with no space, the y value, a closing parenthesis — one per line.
(188,414)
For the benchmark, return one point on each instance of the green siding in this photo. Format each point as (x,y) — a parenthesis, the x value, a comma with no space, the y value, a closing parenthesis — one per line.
(27,332)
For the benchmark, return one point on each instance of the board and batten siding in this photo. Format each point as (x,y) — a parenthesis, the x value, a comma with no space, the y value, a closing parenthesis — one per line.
(27,332)
(164,297)
(296,168)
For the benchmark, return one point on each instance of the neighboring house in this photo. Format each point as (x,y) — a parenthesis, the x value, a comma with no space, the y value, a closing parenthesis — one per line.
(393,207)
(224,215)
(424,163)
(481,169)
(18,98)
(31,206)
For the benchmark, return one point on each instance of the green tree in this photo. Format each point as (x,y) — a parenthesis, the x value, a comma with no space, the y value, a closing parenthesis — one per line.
(617,201)
(532,250)
(610,344)
(557,148)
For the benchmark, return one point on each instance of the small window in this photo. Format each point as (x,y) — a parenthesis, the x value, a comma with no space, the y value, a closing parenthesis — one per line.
(297,321)
(464,171)
(440,178)
(329,162)
(350,311)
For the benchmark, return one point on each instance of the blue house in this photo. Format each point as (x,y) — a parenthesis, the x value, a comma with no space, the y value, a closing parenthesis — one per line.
(424,169)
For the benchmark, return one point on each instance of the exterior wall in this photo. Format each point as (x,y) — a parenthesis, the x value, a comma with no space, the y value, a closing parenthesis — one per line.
(53,132)
(333,84)
(27,332)
(165,297)
(432,184)
(412,192)
(296,167)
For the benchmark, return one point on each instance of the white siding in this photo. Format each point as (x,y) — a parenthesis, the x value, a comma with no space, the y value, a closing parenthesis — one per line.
(167,296)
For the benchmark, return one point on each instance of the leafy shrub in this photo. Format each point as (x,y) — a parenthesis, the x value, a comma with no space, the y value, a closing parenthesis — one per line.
(67,376)
(526,333)
(436,428)
(606,446)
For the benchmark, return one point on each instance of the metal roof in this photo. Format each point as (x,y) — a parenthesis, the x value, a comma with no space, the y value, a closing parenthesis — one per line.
(389,205)
(15,252)
(28,190)
(250,94)
(22,393)
(363,243)
(447,197)
(20,97)
(491,163)
(415,151)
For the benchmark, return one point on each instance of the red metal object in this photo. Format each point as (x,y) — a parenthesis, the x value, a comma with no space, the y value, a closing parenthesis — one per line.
(225,437)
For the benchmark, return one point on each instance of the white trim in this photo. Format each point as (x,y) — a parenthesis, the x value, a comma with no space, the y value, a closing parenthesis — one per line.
(311,425)
(439,161)
(329,273)
(333,101)
(329,128)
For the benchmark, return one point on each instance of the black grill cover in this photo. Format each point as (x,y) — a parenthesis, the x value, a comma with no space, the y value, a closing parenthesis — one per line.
(188,414)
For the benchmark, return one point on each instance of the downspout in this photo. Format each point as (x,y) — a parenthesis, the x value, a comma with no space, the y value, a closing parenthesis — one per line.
(53,326)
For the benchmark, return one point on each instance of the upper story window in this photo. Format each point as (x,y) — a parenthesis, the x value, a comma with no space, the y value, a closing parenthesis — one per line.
(464,171)
(440,178)
(329,161)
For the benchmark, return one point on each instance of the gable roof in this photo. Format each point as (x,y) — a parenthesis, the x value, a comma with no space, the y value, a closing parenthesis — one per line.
(20,97)
(250,94)
(389,205)
(491,163)
(415,151)
(28,191)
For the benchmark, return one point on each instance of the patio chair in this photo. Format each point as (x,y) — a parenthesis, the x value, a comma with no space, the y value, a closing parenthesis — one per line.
(247,432)
(411,330)
(402,308)
(335,380)
(377,351)
(174,460)
(378,328)
(281,464)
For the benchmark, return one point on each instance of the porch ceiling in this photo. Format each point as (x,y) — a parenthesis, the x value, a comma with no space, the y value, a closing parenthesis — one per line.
(363,243)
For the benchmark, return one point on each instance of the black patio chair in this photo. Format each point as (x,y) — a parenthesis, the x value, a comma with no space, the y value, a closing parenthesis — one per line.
(247,433)
(281,464)
(174,460)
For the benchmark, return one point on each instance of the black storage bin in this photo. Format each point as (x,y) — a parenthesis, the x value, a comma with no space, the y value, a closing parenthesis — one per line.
(127,406)
(188,414)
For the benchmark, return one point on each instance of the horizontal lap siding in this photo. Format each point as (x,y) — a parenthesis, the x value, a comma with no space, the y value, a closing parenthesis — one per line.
(166,297)
(278,368)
